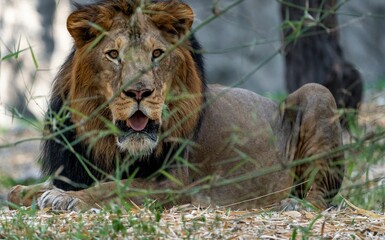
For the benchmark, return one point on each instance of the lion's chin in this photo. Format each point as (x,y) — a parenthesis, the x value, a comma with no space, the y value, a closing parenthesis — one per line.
(137,144)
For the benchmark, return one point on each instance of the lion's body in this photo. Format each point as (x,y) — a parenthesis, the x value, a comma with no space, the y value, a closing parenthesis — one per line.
(241,136)
(237,147)
(246,135)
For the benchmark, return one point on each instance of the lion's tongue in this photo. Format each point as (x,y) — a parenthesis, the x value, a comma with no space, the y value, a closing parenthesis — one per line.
(138,121)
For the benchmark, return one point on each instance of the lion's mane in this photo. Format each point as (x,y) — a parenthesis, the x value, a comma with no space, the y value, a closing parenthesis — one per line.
(77,151)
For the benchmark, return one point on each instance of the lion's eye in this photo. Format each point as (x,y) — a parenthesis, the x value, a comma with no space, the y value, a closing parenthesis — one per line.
(114,54)
(157,53)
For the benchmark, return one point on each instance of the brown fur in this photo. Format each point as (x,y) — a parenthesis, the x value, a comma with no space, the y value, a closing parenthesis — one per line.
(86,97)
(239,135)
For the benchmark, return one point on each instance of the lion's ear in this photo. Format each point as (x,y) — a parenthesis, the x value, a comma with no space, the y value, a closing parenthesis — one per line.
(173,18)
(86,24)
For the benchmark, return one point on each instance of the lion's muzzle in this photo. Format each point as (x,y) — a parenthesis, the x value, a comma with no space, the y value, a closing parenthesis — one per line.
(138,125)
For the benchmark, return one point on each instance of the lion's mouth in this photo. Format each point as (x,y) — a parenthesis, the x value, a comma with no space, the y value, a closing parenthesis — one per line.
(138,123)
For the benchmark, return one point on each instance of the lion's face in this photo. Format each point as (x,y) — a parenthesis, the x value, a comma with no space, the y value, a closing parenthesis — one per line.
(130,65)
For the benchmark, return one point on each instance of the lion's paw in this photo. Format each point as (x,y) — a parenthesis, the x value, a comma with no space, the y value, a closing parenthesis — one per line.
(60,200)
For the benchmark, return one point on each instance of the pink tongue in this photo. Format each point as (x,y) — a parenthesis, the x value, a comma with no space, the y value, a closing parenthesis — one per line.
(138,121)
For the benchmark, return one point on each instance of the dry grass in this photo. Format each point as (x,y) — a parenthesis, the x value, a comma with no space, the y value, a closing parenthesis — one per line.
(194,223)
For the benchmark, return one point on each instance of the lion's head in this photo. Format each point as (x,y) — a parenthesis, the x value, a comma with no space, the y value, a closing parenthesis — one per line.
(132,55)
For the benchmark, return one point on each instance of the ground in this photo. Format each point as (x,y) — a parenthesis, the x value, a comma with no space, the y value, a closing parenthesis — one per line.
(189,222)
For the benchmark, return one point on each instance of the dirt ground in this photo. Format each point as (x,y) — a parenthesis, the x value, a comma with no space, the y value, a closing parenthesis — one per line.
(192,222)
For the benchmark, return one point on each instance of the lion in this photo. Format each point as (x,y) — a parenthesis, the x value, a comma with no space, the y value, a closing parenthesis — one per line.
(131,117)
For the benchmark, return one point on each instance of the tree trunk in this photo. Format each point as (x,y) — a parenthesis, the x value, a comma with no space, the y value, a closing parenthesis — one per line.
(312,51)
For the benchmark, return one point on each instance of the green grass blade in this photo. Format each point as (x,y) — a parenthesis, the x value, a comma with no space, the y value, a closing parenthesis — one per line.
(13,55)
(33,56)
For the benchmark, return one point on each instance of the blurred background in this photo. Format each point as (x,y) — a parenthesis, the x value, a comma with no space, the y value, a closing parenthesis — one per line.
(34,43)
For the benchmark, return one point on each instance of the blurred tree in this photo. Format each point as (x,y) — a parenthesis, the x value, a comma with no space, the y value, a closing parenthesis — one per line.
(312,51)
(31,29)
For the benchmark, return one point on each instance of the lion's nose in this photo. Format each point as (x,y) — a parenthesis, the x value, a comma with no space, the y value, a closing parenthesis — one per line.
(138,95)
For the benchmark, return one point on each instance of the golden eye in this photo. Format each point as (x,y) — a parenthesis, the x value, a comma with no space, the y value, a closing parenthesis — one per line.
(114,54)
(157,53)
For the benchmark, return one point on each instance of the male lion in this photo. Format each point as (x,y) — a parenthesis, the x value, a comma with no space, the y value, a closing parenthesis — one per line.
(131,103)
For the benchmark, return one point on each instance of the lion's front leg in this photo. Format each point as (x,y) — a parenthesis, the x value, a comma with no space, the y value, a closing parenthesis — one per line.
(133,190)
(46,195)
(93,197)
(110,192)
